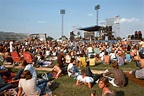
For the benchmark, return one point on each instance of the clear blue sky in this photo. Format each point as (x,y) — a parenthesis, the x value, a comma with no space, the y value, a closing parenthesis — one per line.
(43,16)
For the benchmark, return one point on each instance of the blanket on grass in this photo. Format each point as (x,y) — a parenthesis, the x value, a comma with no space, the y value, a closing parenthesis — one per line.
(135,80)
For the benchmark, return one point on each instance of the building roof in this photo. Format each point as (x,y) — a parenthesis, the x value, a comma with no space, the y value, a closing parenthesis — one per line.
(92,28)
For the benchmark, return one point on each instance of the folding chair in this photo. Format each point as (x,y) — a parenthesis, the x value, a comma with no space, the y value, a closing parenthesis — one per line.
(15,57)
(27,56)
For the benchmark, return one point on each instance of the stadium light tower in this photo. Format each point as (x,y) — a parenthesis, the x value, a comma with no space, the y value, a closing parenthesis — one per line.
(97,7)
(62,11)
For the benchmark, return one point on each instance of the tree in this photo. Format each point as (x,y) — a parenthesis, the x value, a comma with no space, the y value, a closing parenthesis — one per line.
(63,37)
(49,38)
(118,38)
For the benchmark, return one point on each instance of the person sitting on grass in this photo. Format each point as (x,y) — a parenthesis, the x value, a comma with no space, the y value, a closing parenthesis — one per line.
(140,72)
(120,58)
(4,71)
(119,76)
(28,84)
(106,58)
(82,60)
(92,60)
(84,79)
(128,58)
(4,86)
(72,69)
(103,84)
(24,66)
(56,69)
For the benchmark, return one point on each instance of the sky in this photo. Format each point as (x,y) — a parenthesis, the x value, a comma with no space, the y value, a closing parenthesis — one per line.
(43,16)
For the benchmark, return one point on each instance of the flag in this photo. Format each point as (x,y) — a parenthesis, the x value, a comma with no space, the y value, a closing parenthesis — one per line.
(117,19)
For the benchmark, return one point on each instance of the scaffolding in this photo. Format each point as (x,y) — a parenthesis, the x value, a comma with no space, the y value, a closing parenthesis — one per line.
(116,27)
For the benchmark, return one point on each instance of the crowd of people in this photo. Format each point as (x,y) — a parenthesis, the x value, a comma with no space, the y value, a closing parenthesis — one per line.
(71,57)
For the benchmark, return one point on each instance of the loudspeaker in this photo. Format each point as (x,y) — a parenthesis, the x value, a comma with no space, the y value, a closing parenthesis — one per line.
(139,35)
(136,35)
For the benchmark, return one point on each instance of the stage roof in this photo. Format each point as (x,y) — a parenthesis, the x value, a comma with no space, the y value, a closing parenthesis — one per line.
(92,28)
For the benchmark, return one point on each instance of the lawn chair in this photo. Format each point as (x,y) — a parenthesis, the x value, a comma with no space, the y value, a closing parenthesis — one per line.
(27,56)
(16,58)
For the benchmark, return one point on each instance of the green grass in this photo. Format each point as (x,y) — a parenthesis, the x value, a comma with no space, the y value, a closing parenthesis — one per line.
(126,67)
(65,86)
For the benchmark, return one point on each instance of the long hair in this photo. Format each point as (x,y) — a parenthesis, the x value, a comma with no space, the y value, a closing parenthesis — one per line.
(115,64)
(105,81)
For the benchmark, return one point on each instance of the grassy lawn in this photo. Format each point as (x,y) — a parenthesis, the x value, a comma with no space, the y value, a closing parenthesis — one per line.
(126,67)
(65,86)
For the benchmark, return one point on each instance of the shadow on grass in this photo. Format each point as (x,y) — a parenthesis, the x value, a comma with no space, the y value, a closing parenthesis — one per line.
(119,93)
(98,63)
(54,86)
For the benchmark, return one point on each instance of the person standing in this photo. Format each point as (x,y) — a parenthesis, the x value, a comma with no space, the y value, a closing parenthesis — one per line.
(60,59)
(11,45)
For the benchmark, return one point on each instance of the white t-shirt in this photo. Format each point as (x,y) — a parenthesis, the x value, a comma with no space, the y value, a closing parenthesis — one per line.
(90,49)
(31,69)
(29,87)
(71,68)
(11,46)
(11,43)
(112,56)
(26,43)
(101,55)
(47,53)
(86,79)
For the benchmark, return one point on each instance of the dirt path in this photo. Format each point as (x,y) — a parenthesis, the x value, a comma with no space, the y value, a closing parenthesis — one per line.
(48,69)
